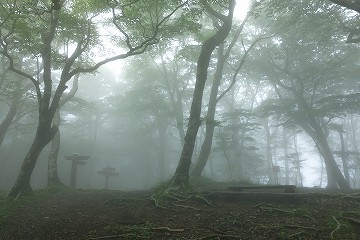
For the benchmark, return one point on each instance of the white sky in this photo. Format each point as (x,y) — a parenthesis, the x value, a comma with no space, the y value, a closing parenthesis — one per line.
(241,8)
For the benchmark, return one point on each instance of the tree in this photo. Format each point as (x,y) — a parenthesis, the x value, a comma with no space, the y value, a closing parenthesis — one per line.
(305,71)
(214,98)
(181,176)
(53,178)
(70,25)
(349,4)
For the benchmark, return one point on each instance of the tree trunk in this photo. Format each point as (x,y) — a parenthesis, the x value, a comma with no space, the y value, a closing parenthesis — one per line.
(162,146)
(210,116)
(44,134)
(316,132)
(181,176)
(297,162)
(286,156)
(214,99)
(332,169)
(5,124)
(344,157)
(53,177)
(269,163)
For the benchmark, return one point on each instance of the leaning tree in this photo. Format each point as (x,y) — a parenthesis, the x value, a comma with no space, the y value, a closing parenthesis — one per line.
(181,176)
(60,36)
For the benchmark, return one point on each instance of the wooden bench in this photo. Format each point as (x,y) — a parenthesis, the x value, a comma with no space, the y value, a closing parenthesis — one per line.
(287,188)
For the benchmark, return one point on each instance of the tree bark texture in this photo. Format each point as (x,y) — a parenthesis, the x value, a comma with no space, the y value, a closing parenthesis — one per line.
(181,176)
(210,116)
(43,136)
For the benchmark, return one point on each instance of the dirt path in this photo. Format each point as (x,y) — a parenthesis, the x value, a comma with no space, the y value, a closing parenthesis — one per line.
(220,215)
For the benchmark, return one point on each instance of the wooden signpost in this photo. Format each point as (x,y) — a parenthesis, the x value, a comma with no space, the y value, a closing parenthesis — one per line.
(108,172)
(76,160)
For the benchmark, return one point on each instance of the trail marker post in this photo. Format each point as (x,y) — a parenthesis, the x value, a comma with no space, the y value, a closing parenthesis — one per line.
(108,172)
(76,160)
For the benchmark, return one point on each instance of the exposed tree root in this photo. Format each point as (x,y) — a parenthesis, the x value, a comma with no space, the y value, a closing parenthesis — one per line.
(266,206)
(166,228)
(337,227)
(124,234)
(353,221)
(219,236)
(300,227)
(166,194)
(204,199)
(184,206)
(108,237)
(263,204)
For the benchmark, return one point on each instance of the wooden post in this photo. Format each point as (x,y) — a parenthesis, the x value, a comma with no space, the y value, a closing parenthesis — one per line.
(76,160)
(108,171)
(276,170)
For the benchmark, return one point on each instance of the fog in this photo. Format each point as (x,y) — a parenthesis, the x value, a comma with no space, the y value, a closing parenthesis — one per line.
(283,98)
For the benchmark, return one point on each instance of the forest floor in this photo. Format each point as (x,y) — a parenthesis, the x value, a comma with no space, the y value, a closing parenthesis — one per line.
(213,214)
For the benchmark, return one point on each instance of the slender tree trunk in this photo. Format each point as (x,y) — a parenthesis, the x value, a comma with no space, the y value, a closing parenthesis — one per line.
(53,177)
(297,162)
(344,157)
(269,160)
(5,124)
(321,171)
(286,156)
(162,147)
(181,176)
(214,99)
(210,116)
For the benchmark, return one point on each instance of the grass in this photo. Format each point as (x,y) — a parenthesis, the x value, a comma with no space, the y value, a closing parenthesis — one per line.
(143,231)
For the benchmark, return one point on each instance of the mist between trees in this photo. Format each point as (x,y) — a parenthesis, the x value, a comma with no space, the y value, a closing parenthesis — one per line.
(191,91)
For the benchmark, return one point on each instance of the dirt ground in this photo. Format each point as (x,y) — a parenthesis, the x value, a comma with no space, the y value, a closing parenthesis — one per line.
(214,214)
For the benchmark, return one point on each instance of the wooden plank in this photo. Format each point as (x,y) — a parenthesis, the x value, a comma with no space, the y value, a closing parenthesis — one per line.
(287,188)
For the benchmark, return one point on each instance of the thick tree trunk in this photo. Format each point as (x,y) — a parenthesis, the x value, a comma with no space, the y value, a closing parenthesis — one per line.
(332,169)
(44,134)
(181,176)
(313,128)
